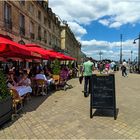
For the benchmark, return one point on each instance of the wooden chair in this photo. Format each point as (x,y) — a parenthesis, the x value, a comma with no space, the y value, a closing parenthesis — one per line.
(41,86)
(17,101)
(56,79)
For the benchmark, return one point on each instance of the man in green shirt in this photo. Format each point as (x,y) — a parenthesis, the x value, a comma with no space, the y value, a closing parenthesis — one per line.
(88,68)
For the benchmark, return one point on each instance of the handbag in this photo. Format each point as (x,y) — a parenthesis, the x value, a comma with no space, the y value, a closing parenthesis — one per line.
(81,79)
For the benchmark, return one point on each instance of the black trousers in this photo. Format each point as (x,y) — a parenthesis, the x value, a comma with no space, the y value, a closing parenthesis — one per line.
(124,73)
(87,85)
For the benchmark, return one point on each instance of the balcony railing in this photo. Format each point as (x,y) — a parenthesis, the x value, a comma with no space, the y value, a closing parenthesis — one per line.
(22,2)
(22,31)
(39,38)
(45,41)
(8,23)
(32,36)
(40,2)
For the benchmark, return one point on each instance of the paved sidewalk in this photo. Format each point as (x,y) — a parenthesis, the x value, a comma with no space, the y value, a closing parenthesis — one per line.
(65,115)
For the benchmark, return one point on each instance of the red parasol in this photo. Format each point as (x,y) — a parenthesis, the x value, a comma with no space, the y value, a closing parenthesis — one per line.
(51,53)
(10,48)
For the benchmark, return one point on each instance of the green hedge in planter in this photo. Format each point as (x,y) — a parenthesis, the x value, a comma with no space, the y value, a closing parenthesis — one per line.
(70,65)
(5,100)
(4,92)
(56,67)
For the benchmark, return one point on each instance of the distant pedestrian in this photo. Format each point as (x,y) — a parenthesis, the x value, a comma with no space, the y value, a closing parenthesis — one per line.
(124,68)
(107,67)
(88,68)
(112,66)
(80,73)
(101,67)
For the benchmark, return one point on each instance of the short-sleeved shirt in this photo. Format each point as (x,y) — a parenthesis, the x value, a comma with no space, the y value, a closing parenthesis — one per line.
(41,76)
(124,64)
(88,68)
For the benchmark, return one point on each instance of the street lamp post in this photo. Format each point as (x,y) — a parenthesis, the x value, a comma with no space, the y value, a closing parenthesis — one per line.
(121,49)
(131,55)
(138,50)
(100,53)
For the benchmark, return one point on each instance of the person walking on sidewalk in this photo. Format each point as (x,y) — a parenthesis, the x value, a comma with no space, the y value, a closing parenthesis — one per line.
(80,73)
(88,68)
(124,68)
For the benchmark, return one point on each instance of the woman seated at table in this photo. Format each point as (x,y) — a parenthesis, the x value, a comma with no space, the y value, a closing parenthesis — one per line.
(11,79)
(41,75)
(23,86)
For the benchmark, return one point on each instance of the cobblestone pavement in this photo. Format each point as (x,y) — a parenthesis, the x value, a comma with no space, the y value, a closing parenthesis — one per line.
(65,115)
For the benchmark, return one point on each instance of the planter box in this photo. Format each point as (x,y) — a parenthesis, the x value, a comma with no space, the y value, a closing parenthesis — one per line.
(5,110)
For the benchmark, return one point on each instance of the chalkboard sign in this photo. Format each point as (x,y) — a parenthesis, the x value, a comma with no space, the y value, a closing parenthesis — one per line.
(103,93)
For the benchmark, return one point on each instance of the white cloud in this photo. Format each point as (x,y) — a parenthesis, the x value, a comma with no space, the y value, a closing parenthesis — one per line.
(110,49)
(104,22)
(85,11)
(110,13)
(95,43)
(77,29)
(115,25)
(105,44)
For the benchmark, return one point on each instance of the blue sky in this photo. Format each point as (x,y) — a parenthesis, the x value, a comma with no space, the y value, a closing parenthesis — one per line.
(97,24)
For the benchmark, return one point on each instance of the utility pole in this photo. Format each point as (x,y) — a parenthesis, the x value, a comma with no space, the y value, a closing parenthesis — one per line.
(131,55)
(121,49)
(138,50)
(100,53)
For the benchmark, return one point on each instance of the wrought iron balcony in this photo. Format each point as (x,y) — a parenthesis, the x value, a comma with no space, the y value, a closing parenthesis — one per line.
(40,2)
(22,2)
(8,23)
(22,31)
(32,36)
(39,37)
(45,41)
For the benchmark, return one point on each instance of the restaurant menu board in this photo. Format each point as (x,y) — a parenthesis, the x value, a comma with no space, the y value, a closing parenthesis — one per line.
(103,93)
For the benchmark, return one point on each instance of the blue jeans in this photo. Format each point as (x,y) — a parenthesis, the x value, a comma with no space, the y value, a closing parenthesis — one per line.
(87,85)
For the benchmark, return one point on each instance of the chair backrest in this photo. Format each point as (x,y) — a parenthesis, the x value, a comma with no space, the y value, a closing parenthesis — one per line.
(40,82)
(14,94)
(56,78)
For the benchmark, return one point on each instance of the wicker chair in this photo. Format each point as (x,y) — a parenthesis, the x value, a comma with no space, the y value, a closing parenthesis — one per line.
(56,79)
(17,101)
(41,86)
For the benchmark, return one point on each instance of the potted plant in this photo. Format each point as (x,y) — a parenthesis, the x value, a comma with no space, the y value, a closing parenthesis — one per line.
(70,65)
(56,67)
(56,70)
(5,100)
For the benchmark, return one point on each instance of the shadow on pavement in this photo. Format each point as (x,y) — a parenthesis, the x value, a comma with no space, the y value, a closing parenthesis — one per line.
(31,105)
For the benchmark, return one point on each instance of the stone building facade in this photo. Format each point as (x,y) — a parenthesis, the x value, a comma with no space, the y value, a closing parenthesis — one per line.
(30,22)
(33,22)
(69,43)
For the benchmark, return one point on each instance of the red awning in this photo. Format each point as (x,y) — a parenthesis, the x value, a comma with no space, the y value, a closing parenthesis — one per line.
(3,59)
(51,53)
(48,54)
(69,58)
(10,48)
(40,51)
(33,45)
